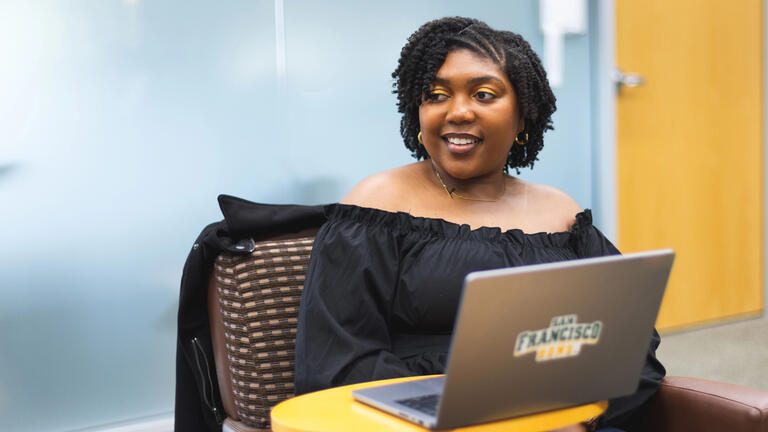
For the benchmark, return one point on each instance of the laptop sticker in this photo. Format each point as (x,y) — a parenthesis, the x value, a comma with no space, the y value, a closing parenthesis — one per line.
(563,338)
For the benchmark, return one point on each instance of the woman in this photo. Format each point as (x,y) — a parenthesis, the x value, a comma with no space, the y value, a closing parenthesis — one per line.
(386,271)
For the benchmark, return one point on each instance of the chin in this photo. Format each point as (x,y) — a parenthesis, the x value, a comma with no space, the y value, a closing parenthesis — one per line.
(460,172)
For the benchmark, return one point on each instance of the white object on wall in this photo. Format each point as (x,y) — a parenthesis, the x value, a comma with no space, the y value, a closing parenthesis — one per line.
(557,19)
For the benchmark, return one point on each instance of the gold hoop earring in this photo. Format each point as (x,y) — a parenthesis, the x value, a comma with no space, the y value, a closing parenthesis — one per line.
(418,137)
(522,131)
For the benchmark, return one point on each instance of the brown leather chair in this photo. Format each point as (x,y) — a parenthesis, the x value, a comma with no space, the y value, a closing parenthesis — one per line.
(693,404)
(253,309)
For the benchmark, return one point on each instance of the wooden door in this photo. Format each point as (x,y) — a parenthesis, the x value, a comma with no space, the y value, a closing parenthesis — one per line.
(690,150)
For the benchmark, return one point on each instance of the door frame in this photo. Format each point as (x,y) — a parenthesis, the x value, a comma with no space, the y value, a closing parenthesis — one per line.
(604,175)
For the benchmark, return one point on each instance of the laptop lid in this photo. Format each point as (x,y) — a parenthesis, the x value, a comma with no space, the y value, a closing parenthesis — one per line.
(535,338)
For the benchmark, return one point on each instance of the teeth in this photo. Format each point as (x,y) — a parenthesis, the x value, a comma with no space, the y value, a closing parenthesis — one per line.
(461,141)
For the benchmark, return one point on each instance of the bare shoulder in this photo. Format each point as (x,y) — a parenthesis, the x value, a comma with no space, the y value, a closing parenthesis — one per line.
(556,206)
(387,190)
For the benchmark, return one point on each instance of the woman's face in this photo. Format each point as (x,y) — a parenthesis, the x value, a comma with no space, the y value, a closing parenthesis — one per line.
(469,119)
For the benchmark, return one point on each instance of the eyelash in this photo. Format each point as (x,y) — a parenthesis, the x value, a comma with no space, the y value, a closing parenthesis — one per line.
(492,94)
(433,96)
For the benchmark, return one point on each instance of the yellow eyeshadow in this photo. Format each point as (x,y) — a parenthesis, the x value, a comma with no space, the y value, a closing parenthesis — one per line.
(487,90)
(438,91)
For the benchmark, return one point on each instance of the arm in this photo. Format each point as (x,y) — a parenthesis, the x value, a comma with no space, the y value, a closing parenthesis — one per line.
(343,334)
(622,411)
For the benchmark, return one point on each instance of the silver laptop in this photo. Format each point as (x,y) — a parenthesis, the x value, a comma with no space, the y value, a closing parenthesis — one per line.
(537,338)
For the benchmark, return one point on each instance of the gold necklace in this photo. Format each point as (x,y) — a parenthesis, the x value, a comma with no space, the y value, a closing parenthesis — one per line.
(451,193)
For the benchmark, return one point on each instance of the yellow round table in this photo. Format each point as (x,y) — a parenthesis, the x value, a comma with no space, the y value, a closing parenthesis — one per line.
(335,410)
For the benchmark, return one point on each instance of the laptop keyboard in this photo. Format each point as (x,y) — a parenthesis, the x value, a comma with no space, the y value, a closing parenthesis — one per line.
(426,404)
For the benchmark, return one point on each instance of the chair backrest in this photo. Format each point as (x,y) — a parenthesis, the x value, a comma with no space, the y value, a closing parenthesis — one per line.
(253,307)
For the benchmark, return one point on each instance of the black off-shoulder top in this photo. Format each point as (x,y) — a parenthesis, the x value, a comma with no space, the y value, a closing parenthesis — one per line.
(383,289)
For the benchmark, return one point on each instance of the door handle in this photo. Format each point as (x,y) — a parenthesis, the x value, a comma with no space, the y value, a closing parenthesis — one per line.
(622,79)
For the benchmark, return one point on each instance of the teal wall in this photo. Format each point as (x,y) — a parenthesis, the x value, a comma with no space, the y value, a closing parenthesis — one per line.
(121,121)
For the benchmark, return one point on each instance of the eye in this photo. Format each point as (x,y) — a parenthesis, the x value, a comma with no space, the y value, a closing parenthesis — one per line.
(436,96)
(485,95)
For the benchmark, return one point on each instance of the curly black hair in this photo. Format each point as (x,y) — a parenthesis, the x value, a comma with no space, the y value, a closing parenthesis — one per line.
(425,53)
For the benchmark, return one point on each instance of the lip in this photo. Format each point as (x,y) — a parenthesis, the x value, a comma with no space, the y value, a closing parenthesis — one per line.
(461,148)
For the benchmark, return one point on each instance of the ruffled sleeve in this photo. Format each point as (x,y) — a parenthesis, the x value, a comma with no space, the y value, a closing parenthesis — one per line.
(588,241)
(343,334)
(623,411)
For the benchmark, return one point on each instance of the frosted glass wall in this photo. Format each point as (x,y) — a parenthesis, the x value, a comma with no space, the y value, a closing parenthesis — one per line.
(120,122)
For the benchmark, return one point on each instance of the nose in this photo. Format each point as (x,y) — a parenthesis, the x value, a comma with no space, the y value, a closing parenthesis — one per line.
(460,111)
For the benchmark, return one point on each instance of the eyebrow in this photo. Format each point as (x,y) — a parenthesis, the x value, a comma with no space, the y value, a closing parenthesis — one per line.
(470,81)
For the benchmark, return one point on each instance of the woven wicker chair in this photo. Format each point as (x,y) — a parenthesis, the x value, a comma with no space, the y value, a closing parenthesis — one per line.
(253,303)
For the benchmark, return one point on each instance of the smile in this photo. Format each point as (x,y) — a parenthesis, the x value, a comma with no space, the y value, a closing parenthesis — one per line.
(461,143)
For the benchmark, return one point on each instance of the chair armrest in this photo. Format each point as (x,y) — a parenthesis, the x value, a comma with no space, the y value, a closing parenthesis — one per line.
(683,404)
